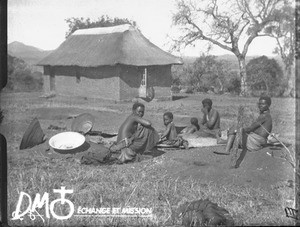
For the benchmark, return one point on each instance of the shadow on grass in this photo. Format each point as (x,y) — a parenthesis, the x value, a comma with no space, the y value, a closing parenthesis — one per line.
(177,97)
(155,153)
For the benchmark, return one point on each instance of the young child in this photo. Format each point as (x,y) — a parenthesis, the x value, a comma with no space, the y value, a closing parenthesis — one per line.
(191,128)
(170,131)
(169,136)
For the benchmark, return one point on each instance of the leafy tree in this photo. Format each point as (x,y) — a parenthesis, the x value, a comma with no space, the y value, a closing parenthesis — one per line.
(203,68)
(264,74)
(21,76)
(234,85)
(75,23)
(182,73)
(208,73)
(229,24)
(284,33)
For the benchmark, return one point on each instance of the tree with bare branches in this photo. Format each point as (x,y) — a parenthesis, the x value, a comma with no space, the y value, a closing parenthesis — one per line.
(284,33)
(229,24)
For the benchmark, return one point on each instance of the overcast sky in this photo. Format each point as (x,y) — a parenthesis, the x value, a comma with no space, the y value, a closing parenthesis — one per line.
(41,23)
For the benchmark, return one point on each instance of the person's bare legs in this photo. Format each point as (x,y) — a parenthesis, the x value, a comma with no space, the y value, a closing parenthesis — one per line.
(219,139)
(229,144)
(244,149)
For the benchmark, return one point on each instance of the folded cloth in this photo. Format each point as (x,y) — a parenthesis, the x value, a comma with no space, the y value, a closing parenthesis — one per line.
(255,142)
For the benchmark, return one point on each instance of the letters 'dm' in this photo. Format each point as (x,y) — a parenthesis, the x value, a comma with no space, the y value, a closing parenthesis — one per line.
(39,202)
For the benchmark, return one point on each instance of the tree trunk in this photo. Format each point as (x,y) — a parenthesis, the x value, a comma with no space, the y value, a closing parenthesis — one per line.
(52,79)
(221,84)
(289,90)
(267,87)
(243,75)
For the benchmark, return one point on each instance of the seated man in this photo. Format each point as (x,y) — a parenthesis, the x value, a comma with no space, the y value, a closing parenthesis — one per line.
(255,136)
(135,135)
(210,125)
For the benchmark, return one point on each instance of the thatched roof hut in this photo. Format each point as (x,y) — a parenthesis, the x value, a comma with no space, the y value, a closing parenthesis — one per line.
(99,57)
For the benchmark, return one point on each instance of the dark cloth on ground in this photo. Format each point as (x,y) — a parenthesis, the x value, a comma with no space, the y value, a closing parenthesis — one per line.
(33,135)
(97,155)
(89,153)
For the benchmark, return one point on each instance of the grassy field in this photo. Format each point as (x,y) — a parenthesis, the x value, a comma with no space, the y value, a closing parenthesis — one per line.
(161,183)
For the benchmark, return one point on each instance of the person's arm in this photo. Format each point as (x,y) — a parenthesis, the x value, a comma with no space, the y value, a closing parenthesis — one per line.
(256,124)
(184,130)
(204,119)
(166,132)
(193,130)
(190,129)
(143,122)
(212,121)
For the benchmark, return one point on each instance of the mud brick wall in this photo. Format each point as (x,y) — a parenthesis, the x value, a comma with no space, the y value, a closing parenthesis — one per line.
(100,82)
(46,84)
(108,82)
(130,80)
(159,77)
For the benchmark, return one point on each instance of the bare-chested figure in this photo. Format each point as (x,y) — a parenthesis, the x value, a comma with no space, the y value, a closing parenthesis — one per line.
(135,135)
(210,124)
(169,135)
(129,126)
(211,117)
(170,131)
(255,136)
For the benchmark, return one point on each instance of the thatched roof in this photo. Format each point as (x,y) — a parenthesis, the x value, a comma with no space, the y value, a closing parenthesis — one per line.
(121,44)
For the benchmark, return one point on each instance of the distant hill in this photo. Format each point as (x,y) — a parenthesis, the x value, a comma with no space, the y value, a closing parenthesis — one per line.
(29,54)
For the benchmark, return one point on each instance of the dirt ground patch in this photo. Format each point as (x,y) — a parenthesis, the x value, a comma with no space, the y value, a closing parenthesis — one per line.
(258,170)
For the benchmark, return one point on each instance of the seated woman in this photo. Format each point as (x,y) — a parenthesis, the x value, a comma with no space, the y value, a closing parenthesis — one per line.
(210,125)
